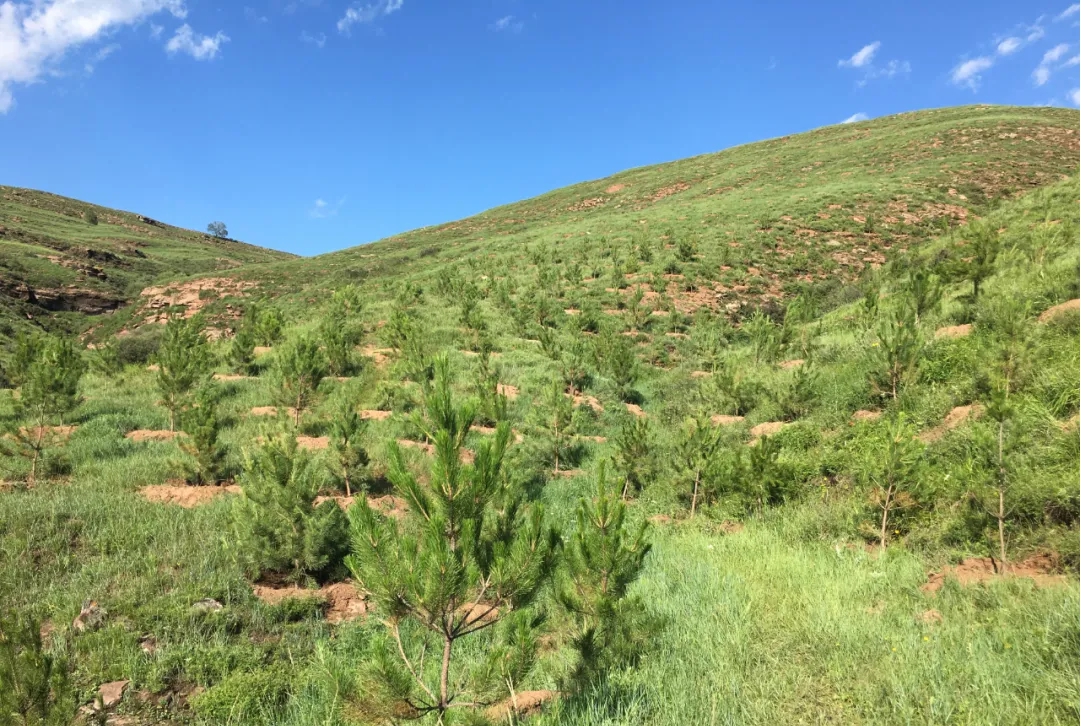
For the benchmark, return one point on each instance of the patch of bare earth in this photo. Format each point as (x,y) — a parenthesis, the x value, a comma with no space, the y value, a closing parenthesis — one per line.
(591,203)
(669,191)
(343,600)
(524,703)
(272,411)
(615,188)
(230,377)
(313,443)
(151,435)
(1041,569)
(61,432)
(379,356)
(503,389)
(466,455)
(720,419)
(590,401)
(864,415)
(954,418)
(767,429)
(193,296)
(185,496)
(790,364)
(954,331)
(1070,306)
(374,414)
(700,374)
(635,410)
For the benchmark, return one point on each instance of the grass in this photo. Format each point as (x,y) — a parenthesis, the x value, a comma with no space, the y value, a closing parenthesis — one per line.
(791,619)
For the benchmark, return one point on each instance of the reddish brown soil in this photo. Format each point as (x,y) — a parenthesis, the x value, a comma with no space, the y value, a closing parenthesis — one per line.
(375,415)
(523,704)
(930,617)
(954,418)
(1070,306)
(720,419)
(589,401)
(1041,569)
(388,504)
(954,331)
(478,613)
(636,410)
(190,295)
(185,496)
(272,411)
(313,443)
(344,601)
(151,435)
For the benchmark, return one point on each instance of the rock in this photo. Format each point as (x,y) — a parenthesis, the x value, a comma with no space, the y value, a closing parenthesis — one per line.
(90,617)
(109,694)
(206,605)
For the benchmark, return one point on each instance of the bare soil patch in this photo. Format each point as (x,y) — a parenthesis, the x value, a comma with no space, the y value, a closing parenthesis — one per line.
(954,331)
(344,601)
(185,496)
(523,704)
(700,374)
(387,504)
(1070,306)
(636,410)
(379,356)
(466,455)
(767,429)
(590,401)
(230,377)
(720,419)
(374,414)
(313,443)
(790,364)
(63,432)
(272,411)
(954,418)
(1041,569)
(151,435)
(865,415)
(193,295)
(615,188)
(503,389)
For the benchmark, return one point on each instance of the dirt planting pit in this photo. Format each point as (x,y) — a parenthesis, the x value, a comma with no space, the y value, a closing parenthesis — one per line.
(720,419)
(1070,306)
(1040,568)
(503,389)
(35,432)
(374,415)
(313,443)
(956,417)
(635,410)
(767,429)
(387,504)
(344,602)
(954,331)
(524,703)
(225,377)
(151,435)
(864,415)
(590,401)
(185,496)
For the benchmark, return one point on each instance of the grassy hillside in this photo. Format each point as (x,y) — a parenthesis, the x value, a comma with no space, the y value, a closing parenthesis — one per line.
(63,262)
(816,321)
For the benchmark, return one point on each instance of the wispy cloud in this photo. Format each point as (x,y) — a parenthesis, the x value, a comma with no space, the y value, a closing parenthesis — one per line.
(364,14)
(1068,13)
(508,24)
(321,208)
(1009,46)
(969,73)
(863,59)
(1075,96)
(37,34)
(317,40)
(252,16)
(101,55)
(156,30)
(861,116)
(199,47)
(1042,74)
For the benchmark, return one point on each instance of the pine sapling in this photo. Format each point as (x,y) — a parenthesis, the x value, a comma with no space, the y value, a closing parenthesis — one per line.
(205,454)
(556,418)
(184,361)
(899,346)
(301,367)
(634,455)
(697,448)
(348,460)
(896,477)
(34,685)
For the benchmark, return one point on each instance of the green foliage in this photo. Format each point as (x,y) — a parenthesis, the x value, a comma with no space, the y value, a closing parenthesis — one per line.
(340,332)
(27,352)
(279,529)
(895,475)
(897,350)
(634,458)
(301,367)
(923,291)
(241,355)
(471,555)
(246,696)
(348,460)
(603,559)
(51,384)
(798,394)
(141,346)
(106,359)
(554,418)
(91,217)
(978,262)
(697,448)
(34,687)
(491,404)
(616,355)
(184,361)
(204,453)
(266,323)
(764,336)
(218,229)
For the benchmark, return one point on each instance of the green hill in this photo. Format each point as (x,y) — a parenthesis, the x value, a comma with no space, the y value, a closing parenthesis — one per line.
(835,378)
(63,262)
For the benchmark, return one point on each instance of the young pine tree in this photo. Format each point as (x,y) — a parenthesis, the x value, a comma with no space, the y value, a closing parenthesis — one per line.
(898,350)
(1001,411)
(278,526)
(34,686)
(602,560)
(241,356)
(301,367)
(896,476)
(348,459)
(923,291)
(204,453)
(634,455)
(340,332)
(184,361)
(470,557)
(555,417)
(696,451)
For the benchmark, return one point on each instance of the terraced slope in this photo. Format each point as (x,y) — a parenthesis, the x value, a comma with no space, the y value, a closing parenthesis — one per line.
(63,261)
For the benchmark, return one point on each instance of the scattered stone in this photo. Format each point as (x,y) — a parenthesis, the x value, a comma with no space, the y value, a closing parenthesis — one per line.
(206,605)
(110,694)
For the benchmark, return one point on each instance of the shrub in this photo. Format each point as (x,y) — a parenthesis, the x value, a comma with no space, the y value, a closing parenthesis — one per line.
(246,696)
(34,686)
(140,347)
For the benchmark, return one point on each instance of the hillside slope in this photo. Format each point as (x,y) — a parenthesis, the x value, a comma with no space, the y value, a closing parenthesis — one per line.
(62,259)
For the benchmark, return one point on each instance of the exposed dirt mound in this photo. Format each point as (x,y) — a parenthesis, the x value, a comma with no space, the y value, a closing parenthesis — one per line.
(1040,568)
(767,429)
(230,377)
(344,601)
(615,188)
(371,414)
(864,415)
(511,392)
(954,418)
(185,496)
(700,374)
(1070,306)
(930,617)
(151,435)
(636,410)
(388,504)
(272,411)
(589,401)
(193,296)
(954,331)
(720,419)
(523,704)
(313,443)
(790,364)
(379,356)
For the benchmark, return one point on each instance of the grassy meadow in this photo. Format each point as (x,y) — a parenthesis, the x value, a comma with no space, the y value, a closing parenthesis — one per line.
(791,329)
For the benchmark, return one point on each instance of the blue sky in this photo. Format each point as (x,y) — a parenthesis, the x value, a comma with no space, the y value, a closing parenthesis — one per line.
(313,125)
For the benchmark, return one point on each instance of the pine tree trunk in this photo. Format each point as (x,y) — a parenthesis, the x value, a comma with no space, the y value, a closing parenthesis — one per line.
(694,494)
(885,518)
(444,677)
(1001,500)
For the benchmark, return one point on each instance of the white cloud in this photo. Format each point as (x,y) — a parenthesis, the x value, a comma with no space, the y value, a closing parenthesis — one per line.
(1068,12)
(252,16)
(101,55)
(861,57)
(1075,96)
(365,14)
(1042,74)
(1035,32)
(37,34)
(1010,45)
(156,30)
(199,47)
(968,73)
(507,23)
(1072,62)
(861,116)
(322,209)
(317,40)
